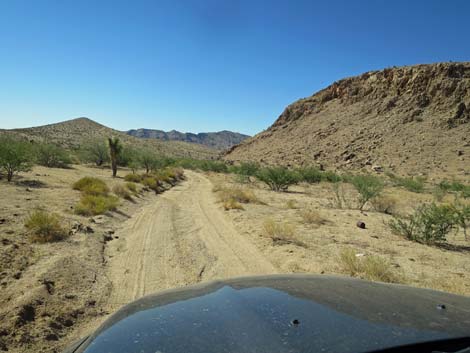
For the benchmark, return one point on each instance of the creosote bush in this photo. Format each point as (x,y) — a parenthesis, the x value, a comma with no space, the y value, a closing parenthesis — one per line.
(368,187)
(91,185)
(278,178)
(92,205)
(368,267)
(44,227)
(428,225)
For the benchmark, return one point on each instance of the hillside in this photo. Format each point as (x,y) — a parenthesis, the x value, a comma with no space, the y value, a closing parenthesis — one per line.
(218,140)
(412,120)
(74,132)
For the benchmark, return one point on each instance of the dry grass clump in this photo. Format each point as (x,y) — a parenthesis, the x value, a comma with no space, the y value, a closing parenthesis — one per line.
(384,204)
(232,198)
(135,178)
(123,192)
(313,217)
(280,233)
(44,227)
(153,183)
(132,187)
(291,204)
(373,268)
(91,186)
(92,205)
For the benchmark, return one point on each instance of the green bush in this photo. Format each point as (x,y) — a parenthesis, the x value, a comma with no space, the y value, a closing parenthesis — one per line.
(368,187)
(414,184)
(310,175)
(94,151)
(92,186)
(462,216)
(15,156)
(278,178)
(246,169)
(44,227)
(92,205)
(52,156)
(331,177)
(456,187)
(429,224)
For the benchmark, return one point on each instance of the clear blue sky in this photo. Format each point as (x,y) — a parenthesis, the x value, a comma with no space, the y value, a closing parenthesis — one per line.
(205,65)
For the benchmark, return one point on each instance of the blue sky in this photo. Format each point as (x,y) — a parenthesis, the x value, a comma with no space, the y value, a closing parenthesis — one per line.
(204,65)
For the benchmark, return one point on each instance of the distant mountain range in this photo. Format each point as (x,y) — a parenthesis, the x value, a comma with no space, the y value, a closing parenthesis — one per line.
(217,140)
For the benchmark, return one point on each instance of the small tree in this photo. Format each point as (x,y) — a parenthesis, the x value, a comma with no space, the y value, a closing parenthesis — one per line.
(278,178)
(15,156)
(462,216)
(52,156)
(95,151)
(368,187)
(147,160)
(115,149)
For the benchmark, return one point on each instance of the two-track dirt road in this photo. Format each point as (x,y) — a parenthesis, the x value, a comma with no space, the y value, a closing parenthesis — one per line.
(182,238)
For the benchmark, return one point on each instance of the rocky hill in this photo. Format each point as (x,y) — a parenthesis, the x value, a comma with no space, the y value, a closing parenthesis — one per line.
(218,140)
(72,133)
(411,120)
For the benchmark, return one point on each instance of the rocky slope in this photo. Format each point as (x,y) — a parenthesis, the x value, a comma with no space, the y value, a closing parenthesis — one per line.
(218,140)
(74,132)
(410,120)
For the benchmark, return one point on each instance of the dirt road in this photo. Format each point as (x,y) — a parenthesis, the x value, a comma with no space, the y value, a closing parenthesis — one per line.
(182,238)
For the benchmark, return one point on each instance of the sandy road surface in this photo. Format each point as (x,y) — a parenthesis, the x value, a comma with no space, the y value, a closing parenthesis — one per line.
(182,238)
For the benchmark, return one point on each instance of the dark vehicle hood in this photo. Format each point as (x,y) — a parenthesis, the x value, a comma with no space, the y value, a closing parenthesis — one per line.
(295,313)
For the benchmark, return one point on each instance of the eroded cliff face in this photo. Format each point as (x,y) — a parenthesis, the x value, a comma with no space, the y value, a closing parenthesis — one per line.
(412,120)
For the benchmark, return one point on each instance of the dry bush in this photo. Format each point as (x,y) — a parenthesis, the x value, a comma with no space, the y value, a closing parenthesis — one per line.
(233,196)
(135,178)
(92,205)
(153,183)
(280,233)
(232,204)
(44,227)
(373,268)
(313,217)
(384,204)
(91,186)
(122,192)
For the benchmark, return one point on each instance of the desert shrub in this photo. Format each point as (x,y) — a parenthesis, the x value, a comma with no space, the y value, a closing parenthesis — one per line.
(44,227)
(152,183)
(94,151)
(291,204)
(147,160)
(245,168)
(91,185)
(462,216)
(278,178)
(429,224)
(280,233)
(52,156)
(122,191)
(310,175)
(236,195)
(132,187)
(455,187)
(135,178)
(331,177)
(368,187)
(15,156)
(370,267)
(384,204)
(313,217)
(232,204)
(414,184)
(92,205)
(213,166)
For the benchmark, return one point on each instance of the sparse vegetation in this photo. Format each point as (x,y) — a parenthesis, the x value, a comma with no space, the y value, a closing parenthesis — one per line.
(123,192)
(291,204)
(454,187)
(368,267)
(385,204)
(232,204)
(52,156)
(15,156)
(428,225)
(280,233)
(368,187)
(92,186)
(310,175)
(135,178)
(92,205)
(313,217)
(95,151)
(44,227)
(152,183)
(232,198)
(413,184)
(132,187)
(278,178)
(462,216)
